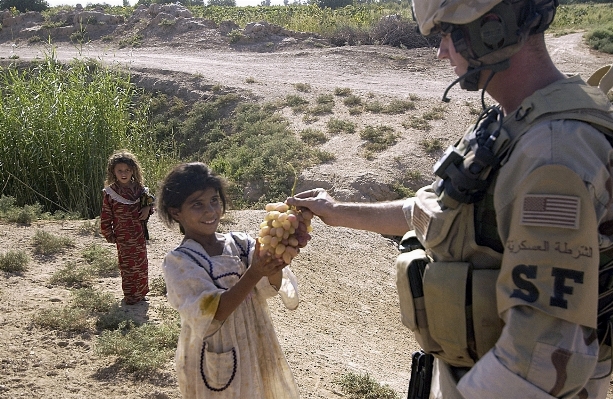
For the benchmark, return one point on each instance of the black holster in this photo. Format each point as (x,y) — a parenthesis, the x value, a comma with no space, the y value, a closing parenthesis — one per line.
(421,375)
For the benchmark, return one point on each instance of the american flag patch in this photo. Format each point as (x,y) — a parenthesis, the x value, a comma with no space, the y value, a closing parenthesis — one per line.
(421,220)
(551,211)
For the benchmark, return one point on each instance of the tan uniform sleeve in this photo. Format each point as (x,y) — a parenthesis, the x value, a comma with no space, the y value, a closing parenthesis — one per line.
(546,292)
(551,254)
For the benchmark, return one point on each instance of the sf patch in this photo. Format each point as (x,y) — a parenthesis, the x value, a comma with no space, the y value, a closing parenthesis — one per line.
(563,283)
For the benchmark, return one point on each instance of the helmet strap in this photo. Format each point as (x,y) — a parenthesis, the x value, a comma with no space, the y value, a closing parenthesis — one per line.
(470,80)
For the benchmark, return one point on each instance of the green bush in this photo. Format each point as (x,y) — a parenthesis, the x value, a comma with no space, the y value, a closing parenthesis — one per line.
(46,243)
(72,275)
(92,300)
(313,136)
(24,5)
(58,126)
(338,126)
(142,348)
(256,155)
(378,138)
(66,319)
(357,386)
(601,39)
(102,261)
(14,261)
(113,319)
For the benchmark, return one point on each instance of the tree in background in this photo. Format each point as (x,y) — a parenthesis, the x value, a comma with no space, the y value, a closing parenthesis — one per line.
(186,3)
(333,4)
(24,5)
(224,3)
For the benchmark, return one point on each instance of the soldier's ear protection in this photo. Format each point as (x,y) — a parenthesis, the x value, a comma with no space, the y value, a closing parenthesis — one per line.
(504,25)
(493,31)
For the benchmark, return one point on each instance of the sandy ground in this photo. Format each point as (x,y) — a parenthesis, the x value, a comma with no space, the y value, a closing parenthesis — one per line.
(348,318)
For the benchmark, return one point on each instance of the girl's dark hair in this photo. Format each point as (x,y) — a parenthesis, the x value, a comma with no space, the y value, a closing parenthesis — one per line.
(123,156)
(181,182)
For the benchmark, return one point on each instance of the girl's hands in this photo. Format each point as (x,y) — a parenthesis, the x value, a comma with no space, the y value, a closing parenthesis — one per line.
(265,264)
(262,265)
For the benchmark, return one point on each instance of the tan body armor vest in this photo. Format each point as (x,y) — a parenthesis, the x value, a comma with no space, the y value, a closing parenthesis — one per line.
(447,289)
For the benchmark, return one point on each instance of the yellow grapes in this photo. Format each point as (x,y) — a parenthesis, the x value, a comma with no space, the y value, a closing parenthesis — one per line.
(278,230)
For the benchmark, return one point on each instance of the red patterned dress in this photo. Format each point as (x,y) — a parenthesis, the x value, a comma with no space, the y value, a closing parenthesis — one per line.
(119,223)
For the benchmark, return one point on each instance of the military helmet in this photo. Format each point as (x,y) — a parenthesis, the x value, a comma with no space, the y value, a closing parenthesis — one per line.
(431,13)
(485,32)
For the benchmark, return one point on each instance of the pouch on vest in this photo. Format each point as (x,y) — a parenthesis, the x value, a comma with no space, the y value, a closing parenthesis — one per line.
(410,267)
(449,306)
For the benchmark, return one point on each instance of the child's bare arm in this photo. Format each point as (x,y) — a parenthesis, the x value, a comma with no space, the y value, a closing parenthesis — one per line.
(261,265)
(276,279)
(144,213)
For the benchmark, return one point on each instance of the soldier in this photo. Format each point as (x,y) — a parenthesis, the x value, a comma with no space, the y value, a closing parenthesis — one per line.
(512,296)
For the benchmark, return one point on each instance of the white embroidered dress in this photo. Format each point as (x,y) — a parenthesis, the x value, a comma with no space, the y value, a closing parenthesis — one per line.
(240,357)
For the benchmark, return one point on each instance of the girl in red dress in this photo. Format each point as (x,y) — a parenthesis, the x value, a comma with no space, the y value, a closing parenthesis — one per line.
(126,207)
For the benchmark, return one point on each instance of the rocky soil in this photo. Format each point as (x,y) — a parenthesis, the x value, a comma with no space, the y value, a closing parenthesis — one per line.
(348,318)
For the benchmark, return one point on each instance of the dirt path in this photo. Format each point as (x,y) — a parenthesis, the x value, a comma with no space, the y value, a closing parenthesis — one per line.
(348,319)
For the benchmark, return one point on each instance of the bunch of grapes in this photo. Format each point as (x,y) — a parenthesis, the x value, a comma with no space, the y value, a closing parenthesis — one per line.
(278,231)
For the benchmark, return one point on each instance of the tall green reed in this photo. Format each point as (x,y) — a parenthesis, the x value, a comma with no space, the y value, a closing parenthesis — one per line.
(58,126)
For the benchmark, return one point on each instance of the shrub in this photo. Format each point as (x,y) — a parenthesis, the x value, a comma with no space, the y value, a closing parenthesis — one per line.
(435,113)
(432,145)
(338,126)
(345,35)
(72,275)
(322,109)
(302,87)
(342,91)
(113,319)
(292,100)
(14,261)
(325,99)
(364,387)
(378,138)
(352,100)
(374,107)
(102,261)
(398,107)
(66,319)
(91,227)
(395,31)
(313,136)
(91,300)
(139,349)
(24,215)
(24,5)
(131,41)
(235,35)
(46,243)
(601,38)
(416,123)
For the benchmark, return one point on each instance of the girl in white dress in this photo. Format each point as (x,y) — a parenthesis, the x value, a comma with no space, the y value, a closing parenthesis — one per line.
(219,283)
